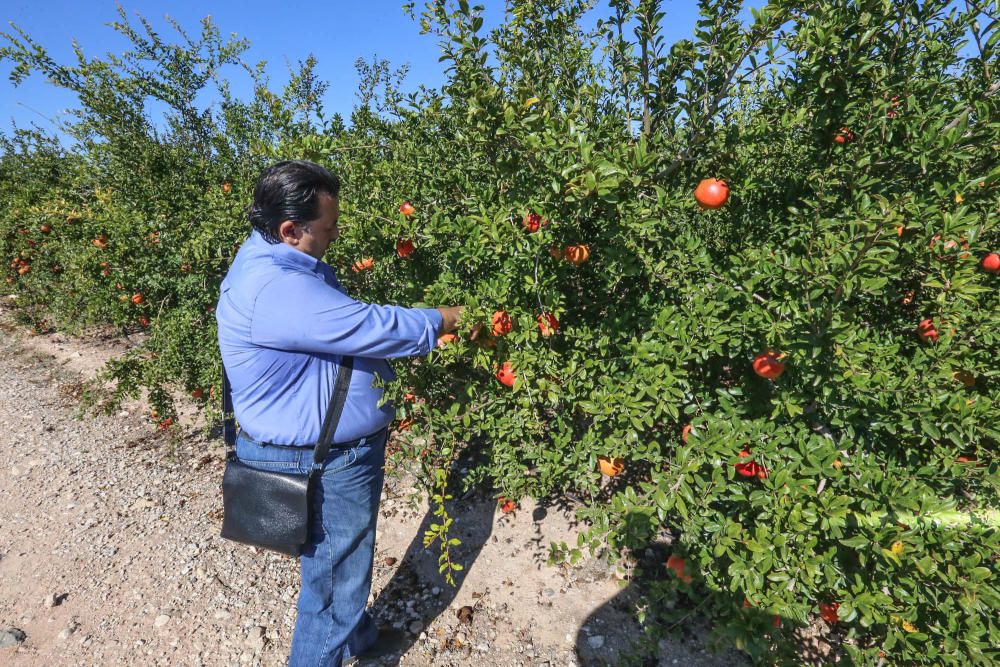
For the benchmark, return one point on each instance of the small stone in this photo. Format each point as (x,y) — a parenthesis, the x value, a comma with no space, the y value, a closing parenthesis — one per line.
(416,627)
(161,620)
(596,641)
(255,638)
(436,591)
(465,614)
(11,637)
(51,600)
(65,634)
(221,614)
(548,592)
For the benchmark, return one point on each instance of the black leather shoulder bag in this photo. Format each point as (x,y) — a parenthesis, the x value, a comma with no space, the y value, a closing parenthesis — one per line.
(270,509)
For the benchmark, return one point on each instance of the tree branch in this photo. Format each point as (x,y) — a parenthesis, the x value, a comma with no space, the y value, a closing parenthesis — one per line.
(990,92)
(713,108)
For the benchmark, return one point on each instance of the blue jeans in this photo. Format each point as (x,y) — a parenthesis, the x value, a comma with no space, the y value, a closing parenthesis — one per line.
(336,564)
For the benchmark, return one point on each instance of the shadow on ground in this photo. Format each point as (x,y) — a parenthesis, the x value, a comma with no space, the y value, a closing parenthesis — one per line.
(419,564)
(599,640)
(610,634)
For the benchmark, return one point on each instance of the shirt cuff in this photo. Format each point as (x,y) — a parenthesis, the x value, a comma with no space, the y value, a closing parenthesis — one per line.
(435,319)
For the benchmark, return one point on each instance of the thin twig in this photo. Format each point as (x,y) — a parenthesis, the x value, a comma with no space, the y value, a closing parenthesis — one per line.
(713,108)
(990,92)
(979,42)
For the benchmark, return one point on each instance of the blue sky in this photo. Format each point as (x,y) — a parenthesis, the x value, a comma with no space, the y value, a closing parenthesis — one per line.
(281,32)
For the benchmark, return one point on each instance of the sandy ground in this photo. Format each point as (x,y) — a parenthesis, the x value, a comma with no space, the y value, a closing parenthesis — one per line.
(110,555)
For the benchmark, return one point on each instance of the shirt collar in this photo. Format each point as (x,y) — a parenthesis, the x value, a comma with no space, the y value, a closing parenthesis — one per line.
(285,255)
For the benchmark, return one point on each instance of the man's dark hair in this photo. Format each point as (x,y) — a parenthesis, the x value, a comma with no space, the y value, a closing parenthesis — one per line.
(289,190)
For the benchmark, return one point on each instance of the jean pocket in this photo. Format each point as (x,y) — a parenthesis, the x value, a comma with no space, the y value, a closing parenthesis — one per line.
(340,459)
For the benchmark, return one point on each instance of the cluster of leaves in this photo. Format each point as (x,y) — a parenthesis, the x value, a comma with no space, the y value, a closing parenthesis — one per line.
(857,138)
(136,224)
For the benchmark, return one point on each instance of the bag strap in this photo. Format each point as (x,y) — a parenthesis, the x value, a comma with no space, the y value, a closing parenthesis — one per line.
(334,411)
(330,422)
(228,416)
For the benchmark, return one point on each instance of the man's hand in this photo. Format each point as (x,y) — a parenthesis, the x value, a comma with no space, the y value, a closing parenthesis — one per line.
(449,318)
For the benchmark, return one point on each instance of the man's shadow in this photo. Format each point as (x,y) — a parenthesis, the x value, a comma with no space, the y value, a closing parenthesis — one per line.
(418,570)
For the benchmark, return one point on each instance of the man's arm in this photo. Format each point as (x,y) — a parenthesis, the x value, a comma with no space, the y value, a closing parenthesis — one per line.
(301,314)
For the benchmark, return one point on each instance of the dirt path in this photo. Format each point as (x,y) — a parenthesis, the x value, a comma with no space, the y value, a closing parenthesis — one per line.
(109,553)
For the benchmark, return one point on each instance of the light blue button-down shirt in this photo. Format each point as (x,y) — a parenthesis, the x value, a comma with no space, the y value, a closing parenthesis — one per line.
(284,324)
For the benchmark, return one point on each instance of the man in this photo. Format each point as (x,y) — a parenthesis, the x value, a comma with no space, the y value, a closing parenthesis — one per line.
(285,323)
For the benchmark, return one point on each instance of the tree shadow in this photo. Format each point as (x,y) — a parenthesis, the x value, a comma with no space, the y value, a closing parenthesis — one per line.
(611,634)
(677,629)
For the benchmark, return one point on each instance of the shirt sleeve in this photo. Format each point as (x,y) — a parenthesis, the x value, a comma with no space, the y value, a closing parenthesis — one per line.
(300,313)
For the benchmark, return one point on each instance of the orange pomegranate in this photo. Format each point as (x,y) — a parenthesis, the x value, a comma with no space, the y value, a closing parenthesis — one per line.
(768,365)
(502,324)
(678,565)
(577,254)
(547,324)
(404,247)
(506,374)
(532,222)
(844,136)
(711,193)
(926,331)
(610,466)
(991,263)
(363,265)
